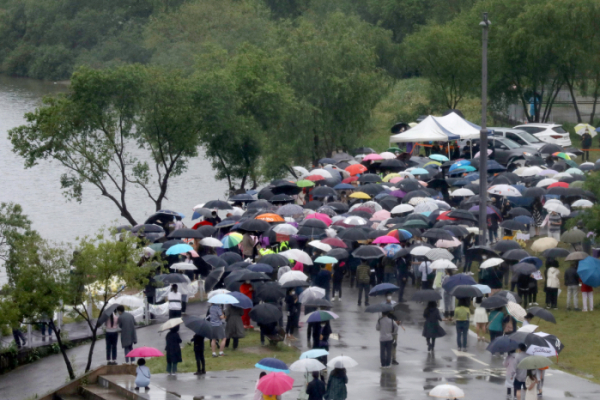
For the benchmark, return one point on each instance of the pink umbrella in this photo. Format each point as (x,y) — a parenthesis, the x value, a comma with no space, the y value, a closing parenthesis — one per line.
(396,179)
(194,254)
(275,384)
(381,215)
(386,240)
(334,242)
(372,157)
(321,217)
(423,183)
(445,244)
(144,352)
(298,267)
(363,209)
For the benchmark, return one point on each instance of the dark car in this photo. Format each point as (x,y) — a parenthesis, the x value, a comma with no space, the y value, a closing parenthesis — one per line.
(505,150)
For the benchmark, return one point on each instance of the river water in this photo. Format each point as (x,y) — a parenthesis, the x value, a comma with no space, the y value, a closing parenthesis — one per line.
(38,189)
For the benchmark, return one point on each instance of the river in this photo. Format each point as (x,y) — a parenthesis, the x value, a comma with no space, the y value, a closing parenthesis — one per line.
(38,189)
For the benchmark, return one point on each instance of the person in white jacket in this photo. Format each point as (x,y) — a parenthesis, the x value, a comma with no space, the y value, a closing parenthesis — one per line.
(552,286)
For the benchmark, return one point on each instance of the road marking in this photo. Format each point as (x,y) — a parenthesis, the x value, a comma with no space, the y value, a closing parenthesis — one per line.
(468,355)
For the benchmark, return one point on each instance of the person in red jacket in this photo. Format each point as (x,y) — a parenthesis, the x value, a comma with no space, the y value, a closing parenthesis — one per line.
(246,288)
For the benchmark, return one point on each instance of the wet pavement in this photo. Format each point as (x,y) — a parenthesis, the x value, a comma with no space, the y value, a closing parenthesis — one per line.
(476,371)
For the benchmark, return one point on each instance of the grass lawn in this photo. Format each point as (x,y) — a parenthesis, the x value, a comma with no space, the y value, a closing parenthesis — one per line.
(578,331)
(247,354)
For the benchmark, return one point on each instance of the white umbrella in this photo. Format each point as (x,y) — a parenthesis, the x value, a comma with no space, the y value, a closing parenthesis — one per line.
(472,229)
(211,242)
(129,301)
(426,206)
(439,254)
(223,299)
(292,276)
(420,250)
(516,311)
(562,210)
(307,365)
(582,203)
(447,392)
(530,171)
(216,292)
(504,190)
(205,212)
(297,255)
(320,171)
(386,155)
(236,211)
(303,171)
(562,175)
(182,266)
(554,201)
(172,323)
(320,245)
(285,229)
(447,244)
(311,293)
(402,208)
(417,200)
(355,220)
(543,244)
(342,362)
(406,174)
(546,182)
(443,264)
(527,328)
(462,192)
(491,262)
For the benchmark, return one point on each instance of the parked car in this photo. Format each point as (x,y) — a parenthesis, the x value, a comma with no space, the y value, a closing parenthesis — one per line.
(505,150)
(519,136)
(549,133)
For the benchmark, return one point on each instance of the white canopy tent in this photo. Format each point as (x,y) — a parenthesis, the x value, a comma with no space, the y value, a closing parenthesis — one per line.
(429,130)
(459,126)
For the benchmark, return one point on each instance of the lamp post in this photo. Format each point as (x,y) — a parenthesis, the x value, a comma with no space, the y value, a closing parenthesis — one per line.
(483,135)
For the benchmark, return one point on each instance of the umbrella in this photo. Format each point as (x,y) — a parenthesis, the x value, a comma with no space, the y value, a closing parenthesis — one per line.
(292,276)
(515,255)
(244,301)
(457,280)
(267,269)
(544,244)
(180,248)
(485,289)
(420,250)
(212,242)
(218,204)
(368,252)
(577,256)
(426,295)
(504,190)
(494,302)
(297,255)
(556,252)
(379,308)
(173,322)
(589,271)
(443,264)
(439,254)
(491,262)
(334,242)
(274,260)
(524,268)
(528,338)
(265,313)
(447,392)
(144,352)
(272,365)
(513,225)
(214,261)
(516,311)
(307,365)
(573,236)
(315,353)
(231,258)
(534,362)
(502,344)
(320,316)
(437,233)
(318,303)
(275,384)
(213,278)
(223,299)
(342,362)
(184,267)
(320,245)
(199,326)
(542,314)
(169,279)
(510,296)
(312,293)
(326,260)
(106,314)
(270,292)
(532,260)
(465,291)
(382,289)
(186,234)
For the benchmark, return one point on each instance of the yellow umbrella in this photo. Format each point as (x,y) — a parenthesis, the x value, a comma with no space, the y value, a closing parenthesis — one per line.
(433,163)
(543,244)
(388,177)
(360,195)
(580,129)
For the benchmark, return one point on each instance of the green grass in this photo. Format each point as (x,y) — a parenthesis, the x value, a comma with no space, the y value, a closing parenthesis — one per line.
(247,354)
(577,330)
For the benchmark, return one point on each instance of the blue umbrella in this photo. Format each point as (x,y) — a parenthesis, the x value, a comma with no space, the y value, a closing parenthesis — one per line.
(457,280)
(178,249)
(223,299)
(244,301)
(473,176)
(272,365)
(589,271)
(392,249)
(460,182)
(459,164)
(404,234)
(383,289)
(419,171)
(438,157)
(344,186)
(502,344)
(266,268)
(533,260)
(315,353)
(524,219)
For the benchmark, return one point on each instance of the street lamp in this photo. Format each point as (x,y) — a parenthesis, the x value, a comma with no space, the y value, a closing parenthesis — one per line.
(485,24)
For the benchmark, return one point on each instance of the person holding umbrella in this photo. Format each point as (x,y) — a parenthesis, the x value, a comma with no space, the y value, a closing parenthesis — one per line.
(247,289)
(387,328)
(234,328)
(521,374)
(432,328)
(462,315)
(128,334)
(510,363)
(336,384)
(572,283)
(112,338)
(316,388)
(586,143)
(293,313)
(552,286)
(173,350)
(363,281)
(198,341)
(175,302)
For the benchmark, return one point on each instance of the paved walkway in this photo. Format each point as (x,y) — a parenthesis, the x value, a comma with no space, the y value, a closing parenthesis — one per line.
(479,373)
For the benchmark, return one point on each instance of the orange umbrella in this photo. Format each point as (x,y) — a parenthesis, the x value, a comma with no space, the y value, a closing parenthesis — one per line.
(270,217)
(356,169)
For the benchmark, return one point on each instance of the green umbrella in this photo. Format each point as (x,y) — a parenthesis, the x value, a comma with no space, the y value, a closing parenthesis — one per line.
(573,236)
(156,247)
(305,183)
(534,362)
(416,223)
(326,260)
(572,163)
(576,184)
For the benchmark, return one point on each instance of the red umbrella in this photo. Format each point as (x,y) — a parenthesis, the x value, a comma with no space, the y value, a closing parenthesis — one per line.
(356,169)
(144,352)
(334,242)
(364,209)
(203,223)
(444,217)
(559,184)
(314,178)
(351,179)
(275,384)
(321,217)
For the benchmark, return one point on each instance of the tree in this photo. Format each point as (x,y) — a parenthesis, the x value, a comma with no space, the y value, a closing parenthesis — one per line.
(13,226)
(97,129)
(104,266)
(449,58)
(38,280)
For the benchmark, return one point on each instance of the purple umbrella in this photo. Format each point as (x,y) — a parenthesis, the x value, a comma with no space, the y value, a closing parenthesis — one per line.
(489,211)
(398,193)
(457,280)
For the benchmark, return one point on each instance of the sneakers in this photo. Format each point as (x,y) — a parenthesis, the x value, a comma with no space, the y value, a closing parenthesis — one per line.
(215,355)
(394,362)
(221,354)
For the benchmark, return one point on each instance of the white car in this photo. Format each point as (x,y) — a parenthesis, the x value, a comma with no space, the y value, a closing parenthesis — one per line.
(549,133)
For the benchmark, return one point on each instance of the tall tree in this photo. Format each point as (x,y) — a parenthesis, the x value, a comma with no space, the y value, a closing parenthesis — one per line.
(95,131)
(13,226)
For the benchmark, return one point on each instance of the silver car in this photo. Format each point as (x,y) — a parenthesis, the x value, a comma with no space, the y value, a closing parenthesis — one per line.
(519,136)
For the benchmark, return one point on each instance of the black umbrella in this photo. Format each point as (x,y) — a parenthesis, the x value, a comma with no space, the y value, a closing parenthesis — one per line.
(409,185)
(425,296)
(264,194)
(285,187)
(218,204)
(170,243)
(368,252)
(237,266)
(246,275)
(214,261)
(281,198)
(339,254)
(533,192)
(146,228)
(457,230)
(379,308)
(270,292)
(371,189)
(186,234)
(506,245)
(502,344)
(294,284)
(162,215)
(311,232)
(318,303)
(275,260)
(260,205)
(169,279)
(466,291)
(213,278)
(528,338)
(550,149)
(354,234)
(313,205)
(369,178)
(476,252)
(524,268)
(199,326)
(323,191)
(494,302)
(437,233)
(253,225)
(314,223)
(515,255)
(207,230)
(515,212)
(393,165)
(106,314)
(338,207)
(363,150)
(231,257)
(461,214)
(265,313)
(244,197)
(556,252)
(510,296)
(542,314)
(513,225)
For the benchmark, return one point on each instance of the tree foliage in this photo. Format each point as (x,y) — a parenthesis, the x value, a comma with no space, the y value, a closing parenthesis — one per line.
(13,226)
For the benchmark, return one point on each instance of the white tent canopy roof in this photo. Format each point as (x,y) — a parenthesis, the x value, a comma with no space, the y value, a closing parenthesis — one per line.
(459,126)
(429,130)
